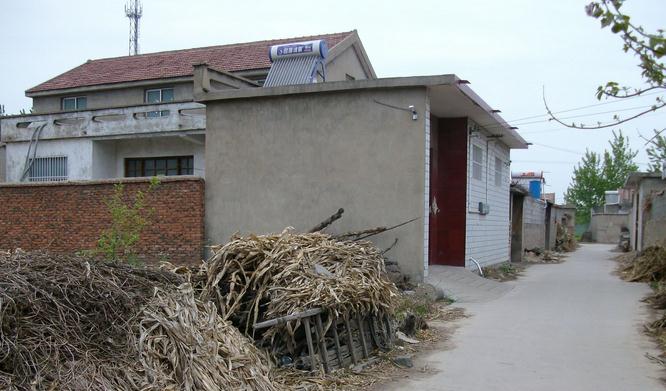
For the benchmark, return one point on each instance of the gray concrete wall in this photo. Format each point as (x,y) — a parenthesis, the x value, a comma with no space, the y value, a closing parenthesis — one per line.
(653,200)
(3,171)
(534,223)
(104,160)
(274,162)
(111,98)
(346,63)
(606,227)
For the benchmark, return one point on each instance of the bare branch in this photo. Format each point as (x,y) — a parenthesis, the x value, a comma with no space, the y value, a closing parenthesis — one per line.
(599,126)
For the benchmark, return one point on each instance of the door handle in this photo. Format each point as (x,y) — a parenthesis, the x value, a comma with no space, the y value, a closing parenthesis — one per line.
(433,206)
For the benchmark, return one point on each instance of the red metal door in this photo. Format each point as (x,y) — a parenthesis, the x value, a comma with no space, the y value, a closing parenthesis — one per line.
(448,190)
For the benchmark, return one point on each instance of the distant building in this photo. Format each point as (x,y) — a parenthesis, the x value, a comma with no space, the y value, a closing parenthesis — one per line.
(647,220)
(533,181)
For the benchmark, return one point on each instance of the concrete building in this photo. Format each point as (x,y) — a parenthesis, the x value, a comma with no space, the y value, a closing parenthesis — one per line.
(647,220)
(290,152)
(135,115)
(386,150)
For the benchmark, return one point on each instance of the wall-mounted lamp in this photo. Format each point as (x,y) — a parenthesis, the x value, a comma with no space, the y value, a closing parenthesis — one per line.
(415,115)
(410,108)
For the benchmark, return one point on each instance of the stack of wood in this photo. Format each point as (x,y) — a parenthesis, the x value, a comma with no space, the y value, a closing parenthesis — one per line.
(255,279)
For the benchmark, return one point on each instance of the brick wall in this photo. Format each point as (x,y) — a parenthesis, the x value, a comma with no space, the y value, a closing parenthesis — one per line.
(69,216)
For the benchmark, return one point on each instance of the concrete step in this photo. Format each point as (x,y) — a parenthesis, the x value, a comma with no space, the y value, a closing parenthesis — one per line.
(463,285)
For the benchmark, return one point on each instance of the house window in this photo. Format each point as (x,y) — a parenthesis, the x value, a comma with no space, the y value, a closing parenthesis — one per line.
(498,171)
(159,95)
(477,162)
(74,103)
(48,169)
(168,166)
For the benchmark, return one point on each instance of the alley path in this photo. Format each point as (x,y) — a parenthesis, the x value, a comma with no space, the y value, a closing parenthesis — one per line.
(570,326)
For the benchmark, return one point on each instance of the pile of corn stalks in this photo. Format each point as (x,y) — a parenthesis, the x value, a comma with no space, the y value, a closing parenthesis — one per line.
(257,278)
(73,323)
(647,266)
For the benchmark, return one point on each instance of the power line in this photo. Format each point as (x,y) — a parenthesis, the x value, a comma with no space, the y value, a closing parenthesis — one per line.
(584,107)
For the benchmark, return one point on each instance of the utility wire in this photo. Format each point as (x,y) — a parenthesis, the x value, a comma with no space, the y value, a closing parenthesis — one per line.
(583,107)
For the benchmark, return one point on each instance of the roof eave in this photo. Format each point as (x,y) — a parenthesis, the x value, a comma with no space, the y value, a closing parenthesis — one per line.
(108,86)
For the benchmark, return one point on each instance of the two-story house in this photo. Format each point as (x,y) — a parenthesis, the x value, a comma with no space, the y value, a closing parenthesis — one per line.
(135,116)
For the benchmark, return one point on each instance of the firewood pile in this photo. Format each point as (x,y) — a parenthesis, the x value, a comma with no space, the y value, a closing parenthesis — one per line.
(300,300)
(68,322)
(256,279)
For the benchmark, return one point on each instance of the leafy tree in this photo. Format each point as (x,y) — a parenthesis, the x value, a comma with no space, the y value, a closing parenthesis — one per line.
(657,150)
(584,190)
(618,162)
(595,174)
(649,47)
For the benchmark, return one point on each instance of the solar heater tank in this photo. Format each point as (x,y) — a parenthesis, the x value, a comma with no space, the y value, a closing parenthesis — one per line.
(316,48)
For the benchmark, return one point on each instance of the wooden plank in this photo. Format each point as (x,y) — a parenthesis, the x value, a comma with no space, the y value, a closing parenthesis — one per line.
(361,332)
(308,338)
(336,339)
(350,340)
(321,341)
(287,318)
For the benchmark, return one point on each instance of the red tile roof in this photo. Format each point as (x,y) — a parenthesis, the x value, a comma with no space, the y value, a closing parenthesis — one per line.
(176,63)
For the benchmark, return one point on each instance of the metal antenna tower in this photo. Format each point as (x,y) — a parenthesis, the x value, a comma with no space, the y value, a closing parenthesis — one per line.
(134,11)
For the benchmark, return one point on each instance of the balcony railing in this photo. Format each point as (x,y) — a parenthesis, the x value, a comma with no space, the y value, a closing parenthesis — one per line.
(133,120)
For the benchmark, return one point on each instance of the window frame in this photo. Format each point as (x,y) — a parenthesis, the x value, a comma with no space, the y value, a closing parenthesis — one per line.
(159,113)
(499,171)
(161,91)
(476,164)
(139,169)
(77,104)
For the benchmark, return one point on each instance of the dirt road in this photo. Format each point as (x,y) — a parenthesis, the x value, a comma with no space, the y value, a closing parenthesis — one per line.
(569,326)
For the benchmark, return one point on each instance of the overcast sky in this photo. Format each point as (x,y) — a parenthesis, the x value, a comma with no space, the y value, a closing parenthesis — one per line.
(509,50)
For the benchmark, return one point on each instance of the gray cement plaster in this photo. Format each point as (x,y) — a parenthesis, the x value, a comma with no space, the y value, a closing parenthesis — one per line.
(569,326)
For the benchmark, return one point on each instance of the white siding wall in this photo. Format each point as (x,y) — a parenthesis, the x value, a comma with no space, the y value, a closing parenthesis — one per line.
(487,236)
(426,200)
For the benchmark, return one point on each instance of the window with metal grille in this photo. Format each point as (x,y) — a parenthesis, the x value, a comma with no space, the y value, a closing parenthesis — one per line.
(48,169)
(169,166)
(498,171)
(477,162)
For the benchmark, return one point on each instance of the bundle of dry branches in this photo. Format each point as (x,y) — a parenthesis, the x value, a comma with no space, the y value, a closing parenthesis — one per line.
(263,277)
(73,323)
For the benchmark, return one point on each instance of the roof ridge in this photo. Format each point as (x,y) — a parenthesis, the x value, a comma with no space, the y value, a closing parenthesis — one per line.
(229,45)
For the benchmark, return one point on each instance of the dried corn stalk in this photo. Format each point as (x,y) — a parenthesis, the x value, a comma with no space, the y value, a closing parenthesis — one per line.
(257,278)
(185,345)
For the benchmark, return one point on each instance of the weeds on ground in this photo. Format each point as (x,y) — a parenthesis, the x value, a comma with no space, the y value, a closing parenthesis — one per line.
(504,272)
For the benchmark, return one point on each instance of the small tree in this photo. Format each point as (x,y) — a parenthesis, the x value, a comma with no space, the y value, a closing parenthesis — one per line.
(596,174)
(128,219)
